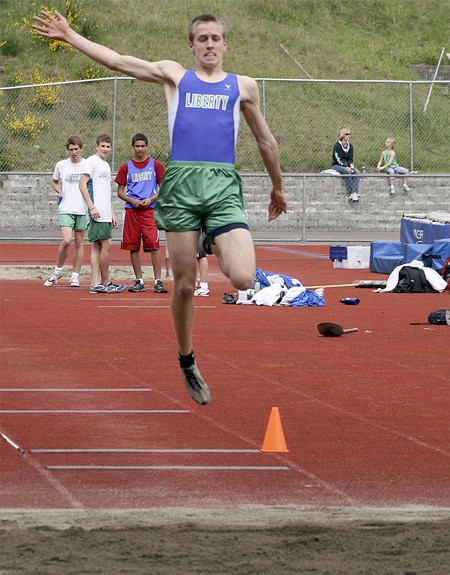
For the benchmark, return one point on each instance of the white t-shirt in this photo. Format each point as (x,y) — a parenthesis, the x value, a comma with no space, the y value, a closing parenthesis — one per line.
(69,174)
(99,186)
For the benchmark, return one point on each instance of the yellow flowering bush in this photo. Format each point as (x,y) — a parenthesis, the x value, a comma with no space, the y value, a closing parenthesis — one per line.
(17,78)
(28,126)
(72,13)
(44,96)
(91,72)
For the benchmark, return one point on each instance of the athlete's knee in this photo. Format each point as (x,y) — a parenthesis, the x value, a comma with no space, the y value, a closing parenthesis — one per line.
(65,242)
(106,245)
(183,289)
(242,279)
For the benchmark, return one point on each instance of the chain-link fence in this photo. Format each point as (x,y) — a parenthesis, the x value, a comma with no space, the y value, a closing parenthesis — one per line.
(304,115)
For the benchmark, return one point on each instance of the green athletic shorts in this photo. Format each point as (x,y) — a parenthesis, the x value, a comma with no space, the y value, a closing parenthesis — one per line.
(99,231)
(75,221)
(197,195)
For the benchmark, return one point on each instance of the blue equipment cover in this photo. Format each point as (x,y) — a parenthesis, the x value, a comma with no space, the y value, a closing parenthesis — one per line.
(441,248)
(416,251)
(385,256)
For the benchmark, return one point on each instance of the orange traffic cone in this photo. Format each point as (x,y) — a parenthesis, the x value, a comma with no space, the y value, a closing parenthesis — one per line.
(274,441)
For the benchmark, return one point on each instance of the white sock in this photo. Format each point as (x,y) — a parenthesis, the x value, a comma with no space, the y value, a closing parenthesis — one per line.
(204,285)
(58,270)
(75,275)
(157,280)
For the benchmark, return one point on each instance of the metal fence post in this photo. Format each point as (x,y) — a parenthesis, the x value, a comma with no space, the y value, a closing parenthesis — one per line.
(411,127)
(114,123)
(304,210)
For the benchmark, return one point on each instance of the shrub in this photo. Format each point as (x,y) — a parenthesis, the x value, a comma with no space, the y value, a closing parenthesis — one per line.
(7,158)
(91,72)
(11,46)
(28,126)
(72,12)
(45,97)
(97,110)
(88,28)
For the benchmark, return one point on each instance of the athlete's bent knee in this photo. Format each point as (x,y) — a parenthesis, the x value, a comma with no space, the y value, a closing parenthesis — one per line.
(242,280)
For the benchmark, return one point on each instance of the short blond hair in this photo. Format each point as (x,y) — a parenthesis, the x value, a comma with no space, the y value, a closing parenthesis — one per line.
(343,132)
(391,141)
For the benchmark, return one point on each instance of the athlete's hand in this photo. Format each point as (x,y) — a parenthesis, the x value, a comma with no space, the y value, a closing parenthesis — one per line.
(94,213)
(53,27)
(278,203)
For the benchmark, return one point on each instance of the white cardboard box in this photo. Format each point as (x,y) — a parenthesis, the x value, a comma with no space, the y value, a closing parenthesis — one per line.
(358,257)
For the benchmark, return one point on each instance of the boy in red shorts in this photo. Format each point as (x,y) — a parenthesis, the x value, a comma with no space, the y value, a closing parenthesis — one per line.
(138,185)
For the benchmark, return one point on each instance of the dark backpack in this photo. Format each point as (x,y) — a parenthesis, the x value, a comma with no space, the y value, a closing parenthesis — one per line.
(412,280)
(438,317)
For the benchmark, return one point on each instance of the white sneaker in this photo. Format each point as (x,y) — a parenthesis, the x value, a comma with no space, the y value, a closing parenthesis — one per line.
(74,281)
(406,188)
(204,292)
(53,279)
(391,190)
(354,197)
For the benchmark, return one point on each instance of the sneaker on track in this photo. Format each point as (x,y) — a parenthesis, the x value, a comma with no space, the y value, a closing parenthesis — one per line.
(74,281)
(406,188)
(138,287)
(99,288)
(196,385)
(114,288)
(53,279)
(159,287)
(201,292)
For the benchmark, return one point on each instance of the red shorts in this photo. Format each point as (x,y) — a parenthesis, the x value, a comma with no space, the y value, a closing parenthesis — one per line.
(139,226)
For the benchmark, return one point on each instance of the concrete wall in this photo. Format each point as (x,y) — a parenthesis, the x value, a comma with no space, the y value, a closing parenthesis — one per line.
(318,206)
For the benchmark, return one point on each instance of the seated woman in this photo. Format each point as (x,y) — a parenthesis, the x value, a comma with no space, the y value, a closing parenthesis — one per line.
(342,162)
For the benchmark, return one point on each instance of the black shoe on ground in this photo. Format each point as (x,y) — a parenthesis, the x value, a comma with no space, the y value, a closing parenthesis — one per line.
(196,385)
(138,286)
(159,287)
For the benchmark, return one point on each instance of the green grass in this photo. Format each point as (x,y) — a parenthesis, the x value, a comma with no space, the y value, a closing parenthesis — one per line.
(330,39)
(355,39)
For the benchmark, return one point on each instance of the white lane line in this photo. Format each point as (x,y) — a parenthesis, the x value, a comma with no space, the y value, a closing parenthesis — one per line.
(145,451)
(136,306)
(140,299)
(153,306)
(166,468)
(75,390)
(95,411)
(11,442)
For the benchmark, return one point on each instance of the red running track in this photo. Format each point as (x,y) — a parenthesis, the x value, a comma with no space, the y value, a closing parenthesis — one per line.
(91,392)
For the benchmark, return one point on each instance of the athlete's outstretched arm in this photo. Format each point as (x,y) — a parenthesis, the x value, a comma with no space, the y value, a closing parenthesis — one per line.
(266,142)
(57,27)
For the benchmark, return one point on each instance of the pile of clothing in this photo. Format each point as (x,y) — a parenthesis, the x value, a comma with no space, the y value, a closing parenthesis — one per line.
(279,289)
(433,281)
